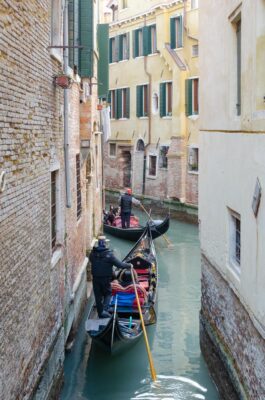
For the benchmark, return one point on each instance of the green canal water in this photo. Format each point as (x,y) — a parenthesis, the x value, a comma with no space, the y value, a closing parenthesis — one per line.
(174,340)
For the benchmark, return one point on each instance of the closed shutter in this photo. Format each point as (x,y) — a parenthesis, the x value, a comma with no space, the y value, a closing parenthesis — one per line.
(127,110)
(139,101)
(188,97)
(103,67)
(162,99)
(180,32)
(110,51)
(136,43)
(109,97)
(146,40)
(86,38)
(150,50)
(128,45)
(119,103)
(173,33)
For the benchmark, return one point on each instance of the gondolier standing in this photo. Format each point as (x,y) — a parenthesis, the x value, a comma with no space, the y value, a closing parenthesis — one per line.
(102,260)
(126,202)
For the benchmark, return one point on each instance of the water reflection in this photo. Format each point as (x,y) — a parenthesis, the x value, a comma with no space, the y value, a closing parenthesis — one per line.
(174,340)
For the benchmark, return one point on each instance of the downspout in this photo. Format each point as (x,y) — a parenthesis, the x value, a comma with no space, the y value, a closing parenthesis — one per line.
(149,115)
(66,108)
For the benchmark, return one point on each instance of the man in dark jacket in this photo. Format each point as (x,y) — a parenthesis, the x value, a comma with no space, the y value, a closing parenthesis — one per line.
(102,260)
(126,202)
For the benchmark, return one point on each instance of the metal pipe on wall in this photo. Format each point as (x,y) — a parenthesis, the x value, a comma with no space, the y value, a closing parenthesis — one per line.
(66,109)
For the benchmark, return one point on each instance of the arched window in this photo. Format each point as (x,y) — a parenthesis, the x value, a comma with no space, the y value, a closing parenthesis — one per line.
(140,145)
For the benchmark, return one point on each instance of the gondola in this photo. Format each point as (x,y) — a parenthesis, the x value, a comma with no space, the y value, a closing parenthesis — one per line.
(157,227)
(124,328)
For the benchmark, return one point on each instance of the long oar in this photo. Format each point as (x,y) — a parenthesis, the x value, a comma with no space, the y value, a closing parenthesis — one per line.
(170,245)
(152,368)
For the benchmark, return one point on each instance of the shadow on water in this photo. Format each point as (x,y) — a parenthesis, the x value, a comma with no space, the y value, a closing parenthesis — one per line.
(174,340)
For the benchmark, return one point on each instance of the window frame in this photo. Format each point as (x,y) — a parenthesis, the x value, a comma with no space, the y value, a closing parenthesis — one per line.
(152,155)
(235,242)
(115,152)
(163,157)
(142,109)
(113,104)
(176,23)
(192,110)
(193,152)
(167,110)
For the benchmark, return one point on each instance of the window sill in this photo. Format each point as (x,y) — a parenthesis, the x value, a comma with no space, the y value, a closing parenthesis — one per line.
(144,118)
(167,117)
(113,62)
(151,176)
(137,57)
(153,54)
(122,61)
(193,172)
(113,157)
(123,119)
(193,117)
(56,257)
(234,271)
(56,55)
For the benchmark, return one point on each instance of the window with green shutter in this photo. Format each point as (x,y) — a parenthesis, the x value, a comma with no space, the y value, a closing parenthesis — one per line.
(165,99)
(176,32)
(122,104)
(138,45)
(192,96)
(73,32)
(142,101)
(103,66)
(113,49)
(86,33)
(123,44)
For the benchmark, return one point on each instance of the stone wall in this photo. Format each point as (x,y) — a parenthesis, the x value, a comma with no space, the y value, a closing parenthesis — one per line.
(234,336)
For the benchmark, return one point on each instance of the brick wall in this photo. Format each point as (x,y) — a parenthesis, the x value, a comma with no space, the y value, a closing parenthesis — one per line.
(236,339)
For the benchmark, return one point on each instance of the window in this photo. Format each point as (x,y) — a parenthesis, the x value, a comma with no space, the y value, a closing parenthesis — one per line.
(192,96)
(152,166)
(112,149)
(56,26)
(163,156)
(165,99)
(238,56)
(153,40)
(142,101)
(123,46)
(195,50)
(235,240)
(140,145)
(112,101)
(78,186)
(176,32)
(53,209)
(193,159)
(194,4)
(119,100)
(112,50)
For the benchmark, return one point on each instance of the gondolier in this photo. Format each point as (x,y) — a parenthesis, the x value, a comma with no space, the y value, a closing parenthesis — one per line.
(126,202)
(102,260)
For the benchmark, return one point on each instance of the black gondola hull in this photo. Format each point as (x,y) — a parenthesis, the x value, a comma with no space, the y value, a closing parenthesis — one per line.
(134,234)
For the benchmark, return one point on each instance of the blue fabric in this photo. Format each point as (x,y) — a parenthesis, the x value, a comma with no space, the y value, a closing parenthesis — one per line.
(124,299)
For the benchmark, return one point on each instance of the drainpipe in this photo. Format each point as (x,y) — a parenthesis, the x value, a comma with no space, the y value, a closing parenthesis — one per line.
(149,114)
(66,108)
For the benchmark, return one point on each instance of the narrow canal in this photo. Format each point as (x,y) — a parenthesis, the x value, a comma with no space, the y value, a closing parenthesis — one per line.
(174,340)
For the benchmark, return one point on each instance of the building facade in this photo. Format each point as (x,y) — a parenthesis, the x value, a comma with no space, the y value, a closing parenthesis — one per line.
(232,178)
(50,185)
(154,84)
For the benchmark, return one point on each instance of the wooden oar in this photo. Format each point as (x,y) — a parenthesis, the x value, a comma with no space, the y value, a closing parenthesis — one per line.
(114,320)
(170,245)
(152,368)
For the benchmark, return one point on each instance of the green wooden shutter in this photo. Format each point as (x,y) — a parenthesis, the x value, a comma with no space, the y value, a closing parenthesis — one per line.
(145,40)
(103,66)
(128,45)
(180,32)
(110,51)
(86,37)
(162,99)
(116,49)
(173,33)
(119,103)
(136,43)
(127,111)
(188,97)
(139,101)
(150,39)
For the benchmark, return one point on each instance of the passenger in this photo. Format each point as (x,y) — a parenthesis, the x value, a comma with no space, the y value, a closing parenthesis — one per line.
(126,202)
(102,260)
